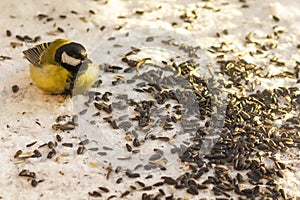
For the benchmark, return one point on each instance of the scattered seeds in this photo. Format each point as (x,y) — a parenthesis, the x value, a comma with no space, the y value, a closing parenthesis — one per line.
(81,150)
(15,88)
(8,33)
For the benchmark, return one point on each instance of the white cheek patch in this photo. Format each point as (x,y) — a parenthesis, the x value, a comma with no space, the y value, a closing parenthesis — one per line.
(65,58)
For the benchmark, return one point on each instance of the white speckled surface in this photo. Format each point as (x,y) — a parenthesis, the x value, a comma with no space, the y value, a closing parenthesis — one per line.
(28,115)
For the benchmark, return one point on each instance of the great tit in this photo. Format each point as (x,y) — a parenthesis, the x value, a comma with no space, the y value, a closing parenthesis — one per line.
(61,67)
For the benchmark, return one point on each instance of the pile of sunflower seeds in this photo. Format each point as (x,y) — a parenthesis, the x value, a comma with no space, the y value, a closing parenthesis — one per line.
(249,131)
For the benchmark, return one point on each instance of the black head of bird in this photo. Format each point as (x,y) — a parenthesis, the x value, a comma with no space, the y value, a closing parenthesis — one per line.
(71,56)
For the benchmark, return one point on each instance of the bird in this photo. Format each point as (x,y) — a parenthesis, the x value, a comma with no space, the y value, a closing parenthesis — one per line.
(61,67)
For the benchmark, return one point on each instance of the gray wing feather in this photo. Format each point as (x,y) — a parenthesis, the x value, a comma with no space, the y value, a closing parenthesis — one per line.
(33,55)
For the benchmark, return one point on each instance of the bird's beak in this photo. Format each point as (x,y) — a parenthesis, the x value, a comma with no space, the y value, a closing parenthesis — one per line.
(86,61)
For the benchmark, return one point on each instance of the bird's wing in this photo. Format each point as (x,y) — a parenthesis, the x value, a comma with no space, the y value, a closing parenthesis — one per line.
(33,55)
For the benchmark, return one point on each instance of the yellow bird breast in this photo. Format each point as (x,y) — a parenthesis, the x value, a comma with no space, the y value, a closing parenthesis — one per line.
(54,79)
(86,80)
(50,78)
